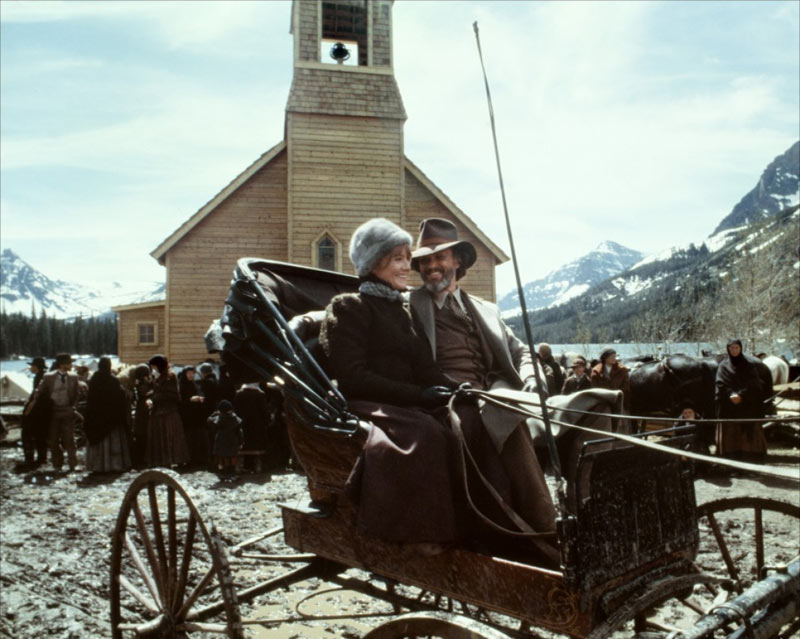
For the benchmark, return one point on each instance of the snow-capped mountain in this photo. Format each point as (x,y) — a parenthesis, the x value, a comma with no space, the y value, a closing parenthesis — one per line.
(23,288)
(778,188)
(573,279)
(765,224)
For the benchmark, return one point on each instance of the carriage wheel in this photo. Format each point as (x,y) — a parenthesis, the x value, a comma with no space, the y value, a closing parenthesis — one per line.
(663,611)
(434,624)
(741,535)
(169,573)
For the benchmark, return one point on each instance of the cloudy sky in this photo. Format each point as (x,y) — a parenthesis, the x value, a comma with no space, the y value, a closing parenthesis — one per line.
(639,122)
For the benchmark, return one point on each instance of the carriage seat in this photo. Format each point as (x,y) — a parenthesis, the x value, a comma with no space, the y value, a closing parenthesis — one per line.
(307,326)
(327,458)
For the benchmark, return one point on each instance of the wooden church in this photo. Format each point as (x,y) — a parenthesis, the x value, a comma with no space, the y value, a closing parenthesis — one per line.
(341,163)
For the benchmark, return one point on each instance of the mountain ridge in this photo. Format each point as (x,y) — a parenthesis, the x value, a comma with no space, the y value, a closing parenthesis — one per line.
(26,290)
(572,279)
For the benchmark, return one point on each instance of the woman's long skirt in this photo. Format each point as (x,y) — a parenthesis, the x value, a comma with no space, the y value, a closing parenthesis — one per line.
(166,444)
(403,482)
(109,455)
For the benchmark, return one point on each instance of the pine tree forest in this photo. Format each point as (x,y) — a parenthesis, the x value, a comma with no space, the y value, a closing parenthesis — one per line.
(44,336)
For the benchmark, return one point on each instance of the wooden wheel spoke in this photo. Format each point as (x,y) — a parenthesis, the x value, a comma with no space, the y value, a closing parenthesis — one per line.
(142,629)
(146,576)
(205,611)
(138,595)
(191,529)
(158,533)
(194,626)
(148,546)
(759,521)
(172,564)
(196,592)
(723,548)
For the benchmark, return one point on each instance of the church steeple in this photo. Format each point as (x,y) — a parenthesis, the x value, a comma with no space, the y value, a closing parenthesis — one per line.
(362,85)
(365,25)
(344,127)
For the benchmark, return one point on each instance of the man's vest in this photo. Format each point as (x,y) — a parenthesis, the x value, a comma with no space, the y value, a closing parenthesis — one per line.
(459,351)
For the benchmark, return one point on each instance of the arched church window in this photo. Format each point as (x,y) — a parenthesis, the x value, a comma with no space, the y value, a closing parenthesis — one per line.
(326,253)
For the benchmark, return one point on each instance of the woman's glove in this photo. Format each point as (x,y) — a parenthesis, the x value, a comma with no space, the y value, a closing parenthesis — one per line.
(435,396)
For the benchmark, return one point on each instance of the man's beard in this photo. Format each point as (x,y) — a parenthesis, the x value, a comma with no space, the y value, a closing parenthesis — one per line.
(437,287)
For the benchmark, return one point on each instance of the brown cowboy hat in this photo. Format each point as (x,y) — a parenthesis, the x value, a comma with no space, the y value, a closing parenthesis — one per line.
(437,234)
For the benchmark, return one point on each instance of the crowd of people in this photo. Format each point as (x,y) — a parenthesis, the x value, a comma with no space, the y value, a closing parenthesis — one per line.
(148,416)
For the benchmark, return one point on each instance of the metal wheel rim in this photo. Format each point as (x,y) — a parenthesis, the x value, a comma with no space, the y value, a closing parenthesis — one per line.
(434,624)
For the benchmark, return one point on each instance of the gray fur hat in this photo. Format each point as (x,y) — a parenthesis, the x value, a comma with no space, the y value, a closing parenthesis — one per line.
(372,240)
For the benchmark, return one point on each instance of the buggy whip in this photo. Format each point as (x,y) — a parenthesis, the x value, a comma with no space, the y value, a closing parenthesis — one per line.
(551,442)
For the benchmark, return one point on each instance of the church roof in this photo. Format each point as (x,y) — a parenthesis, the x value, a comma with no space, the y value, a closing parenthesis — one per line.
(161,250)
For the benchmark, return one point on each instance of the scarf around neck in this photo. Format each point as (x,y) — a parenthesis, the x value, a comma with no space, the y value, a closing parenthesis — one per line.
(379,289)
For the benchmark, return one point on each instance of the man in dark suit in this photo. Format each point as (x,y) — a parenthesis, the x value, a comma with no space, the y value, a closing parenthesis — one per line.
(62,389)
(471,343)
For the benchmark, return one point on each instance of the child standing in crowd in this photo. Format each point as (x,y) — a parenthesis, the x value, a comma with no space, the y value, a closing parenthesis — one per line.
(226,428)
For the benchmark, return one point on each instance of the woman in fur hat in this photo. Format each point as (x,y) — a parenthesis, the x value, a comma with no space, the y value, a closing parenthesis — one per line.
(166,444)
(402,482)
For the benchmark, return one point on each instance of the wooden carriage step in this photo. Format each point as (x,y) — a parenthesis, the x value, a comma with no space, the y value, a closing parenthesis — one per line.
(312,508)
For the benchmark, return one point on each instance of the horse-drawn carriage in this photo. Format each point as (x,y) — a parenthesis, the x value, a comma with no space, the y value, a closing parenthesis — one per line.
(634,559)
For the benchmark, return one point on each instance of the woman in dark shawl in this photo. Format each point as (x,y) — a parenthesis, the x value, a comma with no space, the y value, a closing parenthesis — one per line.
(740,394)
(166,443)
(193,417)
(402,481)
(106,422)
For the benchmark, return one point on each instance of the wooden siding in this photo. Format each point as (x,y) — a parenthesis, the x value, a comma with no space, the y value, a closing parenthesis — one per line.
(128,348)
(420,203)
(343,171)
(250,223)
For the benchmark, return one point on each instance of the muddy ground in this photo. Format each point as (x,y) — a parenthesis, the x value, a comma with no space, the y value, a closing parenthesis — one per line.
(56,529)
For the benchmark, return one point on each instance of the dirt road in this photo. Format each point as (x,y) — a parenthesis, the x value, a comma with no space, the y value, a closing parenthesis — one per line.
(55,539)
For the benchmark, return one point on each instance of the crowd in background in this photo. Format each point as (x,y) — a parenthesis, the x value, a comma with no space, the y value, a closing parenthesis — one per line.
(150,415)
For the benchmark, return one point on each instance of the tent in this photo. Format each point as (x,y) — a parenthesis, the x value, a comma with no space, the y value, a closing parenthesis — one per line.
(15,385)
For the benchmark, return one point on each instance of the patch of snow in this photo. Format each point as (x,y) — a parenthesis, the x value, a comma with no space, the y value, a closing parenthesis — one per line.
(514,312)
(715,242)
(572,291)
(756,249)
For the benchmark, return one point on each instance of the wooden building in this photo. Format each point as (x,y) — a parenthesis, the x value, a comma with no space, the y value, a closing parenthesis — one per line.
(341,163)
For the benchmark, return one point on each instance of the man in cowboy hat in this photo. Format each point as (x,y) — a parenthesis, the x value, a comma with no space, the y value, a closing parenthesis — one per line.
(63,389)
(471,343)
(468,338)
